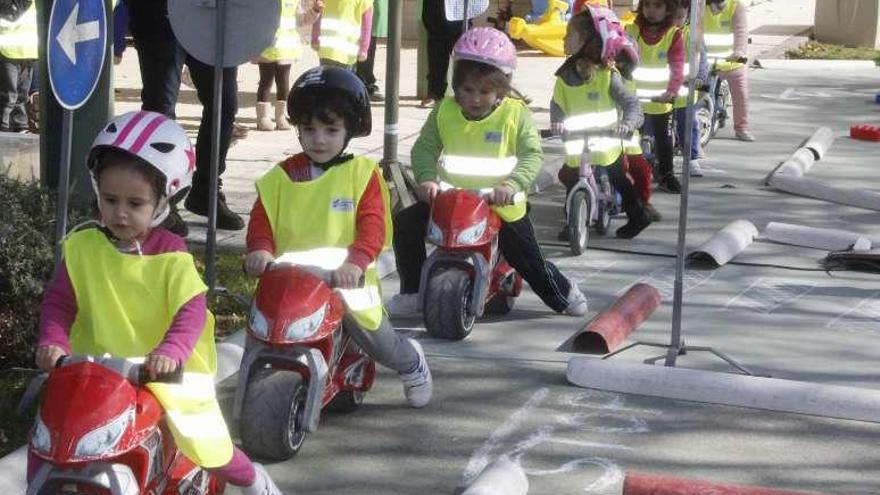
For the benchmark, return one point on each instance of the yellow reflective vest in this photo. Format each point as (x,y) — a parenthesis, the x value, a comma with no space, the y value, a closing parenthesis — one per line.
(588,109)
(125,305)
(653,73)
(287,44)
(480,154)
(339,39)
(18,40)
(718,36)
(316,222)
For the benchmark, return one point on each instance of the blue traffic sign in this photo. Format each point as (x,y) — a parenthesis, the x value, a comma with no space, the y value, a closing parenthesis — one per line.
(76,44)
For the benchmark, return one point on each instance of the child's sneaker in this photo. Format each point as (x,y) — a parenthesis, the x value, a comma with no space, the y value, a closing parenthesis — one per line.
(655,215)
(577,302)
(417,384)
(262,485)
(745,136)
(635,225)
(694,167)
(669,183)
(403,304)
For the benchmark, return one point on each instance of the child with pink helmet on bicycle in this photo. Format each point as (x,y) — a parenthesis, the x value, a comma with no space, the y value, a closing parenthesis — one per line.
(593,102)
(481,123)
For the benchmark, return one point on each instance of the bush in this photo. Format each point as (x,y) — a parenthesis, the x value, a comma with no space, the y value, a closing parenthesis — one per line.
(27,228)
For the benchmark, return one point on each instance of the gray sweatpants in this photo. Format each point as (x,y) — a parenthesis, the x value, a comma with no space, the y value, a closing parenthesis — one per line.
(385,345)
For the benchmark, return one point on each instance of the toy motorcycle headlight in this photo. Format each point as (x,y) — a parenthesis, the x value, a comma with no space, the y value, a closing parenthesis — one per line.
(41,441)
(305,327)
(435,235)
(473,234)
(258,323)
(104,438)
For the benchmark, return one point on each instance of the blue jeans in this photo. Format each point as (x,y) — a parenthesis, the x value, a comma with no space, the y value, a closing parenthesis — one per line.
(15,81)
(679,117)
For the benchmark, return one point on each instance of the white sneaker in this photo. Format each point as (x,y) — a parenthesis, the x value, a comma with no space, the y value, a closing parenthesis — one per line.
(403,304)
(696,170)
(417,384)
(263,484)
(577,302)
(745,136)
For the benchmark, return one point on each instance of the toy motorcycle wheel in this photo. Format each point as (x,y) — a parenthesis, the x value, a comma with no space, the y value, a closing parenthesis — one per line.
(446,306)
(603,216)
(722,103)
(346,401)
(273,415)
(500,304)
(579,222)
(703,121)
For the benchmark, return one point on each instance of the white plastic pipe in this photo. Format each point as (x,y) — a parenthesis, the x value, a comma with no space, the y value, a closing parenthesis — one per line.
(811,188)
(820,142)
(771,394)
(798,164)
(502,477)
(728,242)
(811,237)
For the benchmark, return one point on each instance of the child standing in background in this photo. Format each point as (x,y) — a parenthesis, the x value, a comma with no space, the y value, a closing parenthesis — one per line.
(342,33)
(275,61)
(725,32)
(680,103)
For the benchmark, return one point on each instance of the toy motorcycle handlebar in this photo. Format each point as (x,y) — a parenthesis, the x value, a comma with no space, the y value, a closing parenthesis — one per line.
(326,275)
(487,194)
(135,372)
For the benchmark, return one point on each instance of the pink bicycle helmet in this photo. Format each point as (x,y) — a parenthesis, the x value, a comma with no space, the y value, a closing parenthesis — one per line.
(487,45)
(157,141)
(615,42)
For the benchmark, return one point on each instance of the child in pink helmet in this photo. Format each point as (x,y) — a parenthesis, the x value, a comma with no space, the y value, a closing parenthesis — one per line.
(130,289)
(481,121)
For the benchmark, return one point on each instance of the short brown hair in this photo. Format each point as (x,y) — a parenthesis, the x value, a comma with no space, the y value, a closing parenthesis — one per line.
(479,71)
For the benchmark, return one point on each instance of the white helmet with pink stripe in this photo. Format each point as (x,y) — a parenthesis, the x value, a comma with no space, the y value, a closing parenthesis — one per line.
(155,140)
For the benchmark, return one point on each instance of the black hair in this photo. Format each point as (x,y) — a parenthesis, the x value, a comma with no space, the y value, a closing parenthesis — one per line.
(479,71)
(324,106)
(114,158)
(671,5)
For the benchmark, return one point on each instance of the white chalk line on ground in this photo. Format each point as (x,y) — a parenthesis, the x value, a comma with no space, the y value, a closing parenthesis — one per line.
(766,295)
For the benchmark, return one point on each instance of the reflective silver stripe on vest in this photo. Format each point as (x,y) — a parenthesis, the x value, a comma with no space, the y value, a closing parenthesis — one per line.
(591,121)
(651,74)
(478,167)
(597,144)
(718,45)
(339,35)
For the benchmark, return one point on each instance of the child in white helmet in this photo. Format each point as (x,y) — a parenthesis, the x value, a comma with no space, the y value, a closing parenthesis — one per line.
(481,112)
(130,289)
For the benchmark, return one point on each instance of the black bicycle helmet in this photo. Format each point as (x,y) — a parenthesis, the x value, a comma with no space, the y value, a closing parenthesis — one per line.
(319,81)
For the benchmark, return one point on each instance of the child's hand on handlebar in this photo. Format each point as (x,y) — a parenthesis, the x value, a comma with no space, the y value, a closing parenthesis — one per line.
(427,190)
(666,97)
(47,356)
(624,130)
(158,365)
(256,261)
(503,194)
(347,276)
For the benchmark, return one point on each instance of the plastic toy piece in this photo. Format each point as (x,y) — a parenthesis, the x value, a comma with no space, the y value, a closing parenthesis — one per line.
(546,34)
(637,483)
(865,132)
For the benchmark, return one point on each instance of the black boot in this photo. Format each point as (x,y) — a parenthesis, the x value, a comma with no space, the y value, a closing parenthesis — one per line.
(174,223)
(669,183)
(639,219)
(197,202)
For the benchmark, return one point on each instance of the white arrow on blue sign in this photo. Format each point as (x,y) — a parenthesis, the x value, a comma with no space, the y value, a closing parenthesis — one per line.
(76,45)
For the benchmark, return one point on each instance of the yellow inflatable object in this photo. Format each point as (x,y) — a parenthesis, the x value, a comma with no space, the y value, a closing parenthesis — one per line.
(628,18)
(546,34)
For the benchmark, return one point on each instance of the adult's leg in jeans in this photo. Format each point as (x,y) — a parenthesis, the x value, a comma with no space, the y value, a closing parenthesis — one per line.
(520,248)
(410,227)
(18,119)
(159,55)
(8,91)
(738,80)
(384,345)
(203,77)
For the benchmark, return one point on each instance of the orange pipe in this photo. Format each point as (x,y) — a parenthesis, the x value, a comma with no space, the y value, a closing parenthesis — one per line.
(637,483)
(607,330)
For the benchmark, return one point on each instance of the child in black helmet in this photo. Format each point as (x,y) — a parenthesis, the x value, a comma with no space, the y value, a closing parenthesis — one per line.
(329,200)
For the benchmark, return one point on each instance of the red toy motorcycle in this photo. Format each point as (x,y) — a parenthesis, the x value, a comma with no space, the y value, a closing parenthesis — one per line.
(466,276)
(101,431)
(298,358)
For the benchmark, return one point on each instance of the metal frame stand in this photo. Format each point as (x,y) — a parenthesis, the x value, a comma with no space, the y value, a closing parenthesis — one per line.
(216,111)
(677,347)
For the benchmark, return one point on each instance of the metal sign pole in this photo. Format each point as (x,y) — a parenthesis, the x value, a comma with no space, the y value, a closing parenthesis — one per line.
(390,160)
(464,15)
(63,181)
(211,240)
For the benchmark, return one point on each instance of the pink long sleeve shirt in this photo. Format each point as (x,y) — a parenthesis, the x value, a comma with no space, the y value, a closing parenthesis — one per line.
(59,307)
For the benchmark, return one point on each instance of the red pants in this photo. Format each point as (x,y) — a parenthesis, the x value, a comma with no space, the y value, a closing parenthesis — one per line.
(640,172)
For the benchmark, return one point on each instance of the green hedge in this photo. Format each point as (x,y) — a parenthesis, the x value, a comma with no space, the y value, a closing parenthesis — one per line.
(27,227)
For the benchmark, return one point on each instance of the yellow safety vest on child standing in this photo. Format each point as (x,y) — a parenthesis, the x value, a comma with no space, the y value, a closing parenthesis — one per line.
(480,154)
(18,40)
(125,305)
(652,75)
(287,45)
(589,109)
(718,36)
(340,35)
(319,217)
